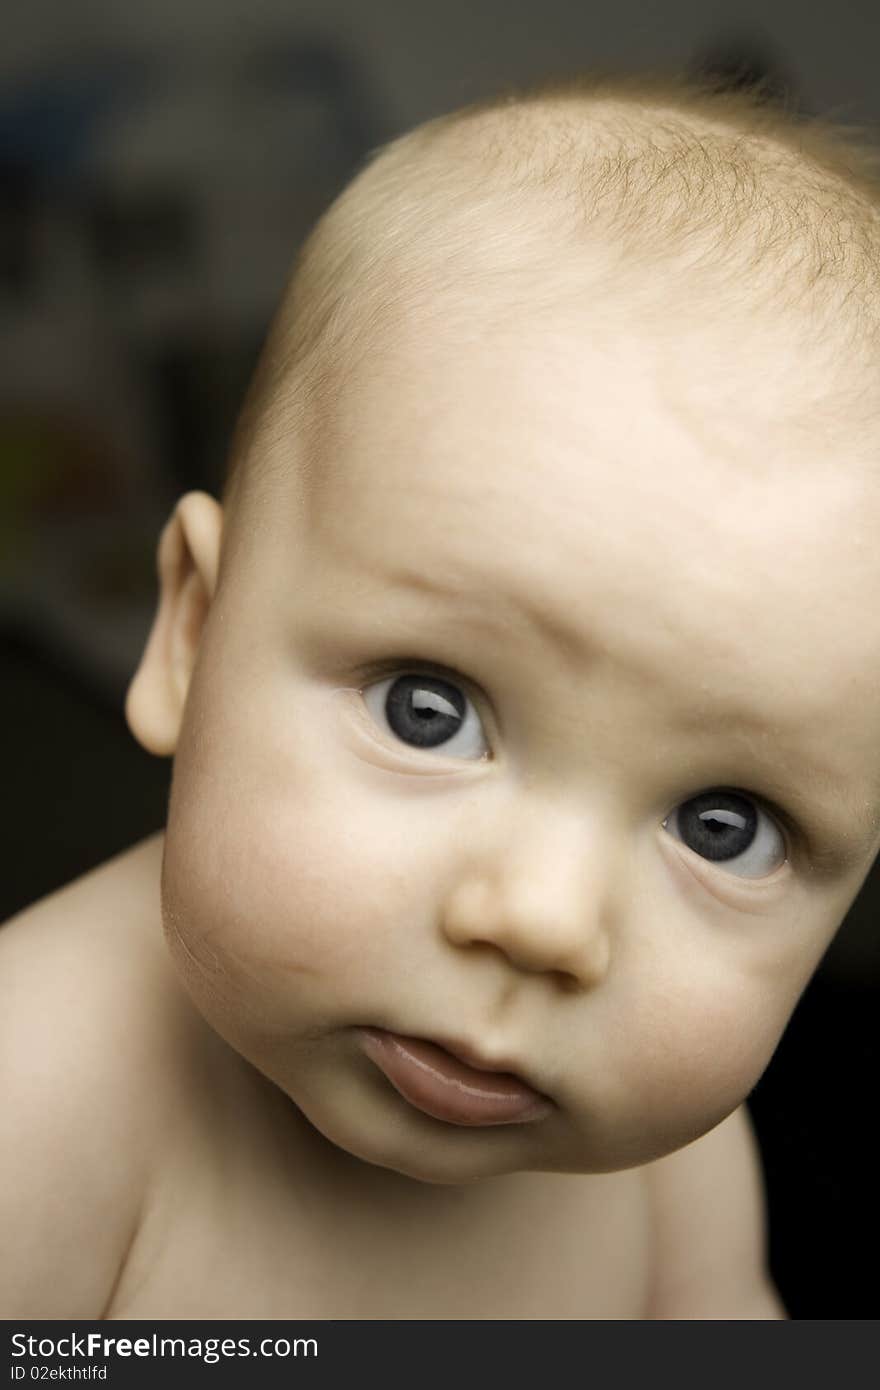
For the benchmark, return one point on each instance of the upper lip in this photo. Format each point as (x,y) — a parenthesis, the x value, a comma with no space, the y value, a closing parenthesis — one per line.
(467,1054)
(471,1056)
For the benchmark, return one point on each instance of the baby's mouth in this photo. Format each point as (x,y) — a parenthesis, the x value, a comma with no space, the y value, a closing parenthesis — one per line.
(443,1086)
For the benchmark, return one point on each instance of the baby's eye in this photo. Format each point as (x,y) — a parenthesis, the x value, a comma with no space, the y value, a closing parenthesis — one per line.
(731,830)
(427,712)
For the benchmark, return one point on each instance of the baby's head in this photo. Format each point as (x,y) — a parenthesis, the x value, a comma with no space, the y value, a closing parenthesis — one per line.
(523,691)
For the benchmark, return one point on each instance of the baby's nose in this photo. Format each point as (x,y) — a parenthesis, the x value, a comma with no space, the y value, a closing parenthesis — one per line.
(541,903)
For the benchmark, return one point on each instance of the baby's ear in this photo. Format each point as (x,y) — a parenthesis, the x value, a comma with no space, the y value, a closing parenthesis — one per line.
(188,559)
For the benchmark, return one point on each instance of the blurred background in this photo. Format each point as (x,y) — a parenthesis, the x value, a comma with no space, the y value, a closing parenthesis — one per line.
(158,168)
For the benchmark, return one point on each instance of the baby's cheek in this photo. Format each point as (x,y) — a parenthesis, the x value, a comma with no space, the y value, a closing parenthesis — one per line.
(695,1058)
(280,899)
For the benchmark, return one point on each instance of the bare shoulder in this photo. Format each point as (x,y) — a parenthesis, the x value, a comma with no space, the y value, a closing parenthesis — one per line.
(709,1228)
(88,1013)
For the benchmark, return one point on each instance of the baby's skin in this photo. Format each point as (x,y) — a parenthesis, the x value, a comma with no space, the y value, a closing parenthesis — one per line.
(543,731)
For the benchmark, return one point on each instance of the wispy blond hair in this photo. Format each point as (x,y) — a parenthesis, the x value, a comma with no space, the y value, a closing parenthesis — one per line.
(701,187)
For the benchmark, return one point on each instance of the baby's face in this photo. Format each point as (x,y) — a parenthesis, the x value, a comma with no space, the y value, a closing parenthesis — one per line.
(552,736)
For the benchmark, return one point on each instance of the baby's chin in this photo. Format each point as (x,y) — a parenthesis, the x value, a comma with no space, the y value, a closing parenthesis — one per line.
(385,1135)
(423,1166)
(439,1165)
(385,1139)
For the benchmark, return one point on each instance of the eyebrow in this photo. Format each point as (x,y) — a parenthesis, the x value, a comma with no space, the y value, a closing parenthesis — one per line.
(548,623)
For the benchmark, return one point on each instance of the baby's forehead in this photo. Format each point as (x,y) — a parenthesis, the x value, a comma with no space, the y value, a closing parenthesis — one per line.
(558,435)
(551,457)
(497,393)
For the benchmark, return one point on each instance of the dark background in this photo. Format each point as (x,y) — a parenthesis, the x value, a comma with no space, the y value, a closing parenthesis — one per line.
(157,171)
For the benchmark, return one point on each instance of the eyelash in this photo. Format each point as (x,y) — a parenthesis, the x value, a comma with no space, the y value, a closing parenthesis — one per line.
(376,673)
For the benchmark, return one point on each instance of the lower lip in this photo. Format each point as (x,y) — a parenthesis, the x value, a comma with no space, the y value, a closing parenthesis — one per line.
(438,1084)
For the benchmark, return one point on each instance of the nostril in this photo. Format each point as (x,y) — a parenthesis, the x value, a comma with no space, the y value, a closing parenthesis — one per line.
(568,982)
(585,963)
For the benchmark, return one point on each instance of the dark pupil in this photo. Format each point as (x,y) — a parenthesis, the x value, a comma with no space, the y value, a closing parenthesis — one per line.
(424,710)
(717,825)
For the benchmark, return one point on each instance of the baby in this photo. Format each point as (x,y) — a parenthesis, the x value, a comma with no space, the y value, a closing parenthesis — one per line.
(522,701)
